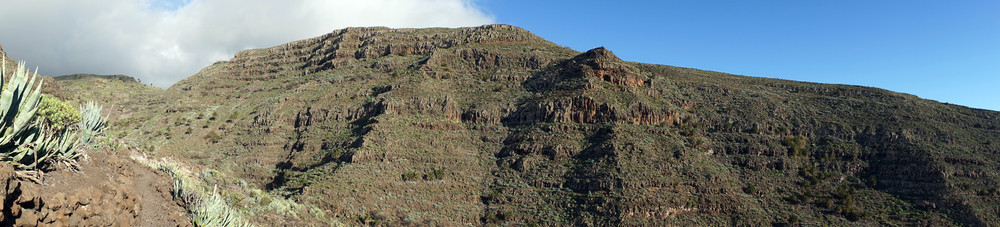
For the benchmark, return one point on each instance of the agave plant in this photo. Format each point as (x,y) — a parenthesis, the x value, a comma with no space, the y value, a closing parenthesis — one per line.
(64,146)
(91,123)
(19,100)
(206,208)
(213,211)
(24,156)
(42,148)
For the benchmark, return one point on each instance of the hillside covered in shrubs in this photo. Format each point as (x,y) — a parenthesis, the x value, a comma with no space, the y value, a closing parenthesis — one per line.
(493,125)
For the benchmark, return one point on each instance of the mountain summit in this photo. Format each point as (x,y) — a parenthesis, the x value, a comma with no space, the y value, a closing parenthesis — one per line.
(494,125)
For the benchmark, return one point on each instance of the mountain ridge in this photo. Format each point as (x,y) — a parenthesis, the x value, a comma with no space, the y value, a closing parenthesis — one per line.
(494,125)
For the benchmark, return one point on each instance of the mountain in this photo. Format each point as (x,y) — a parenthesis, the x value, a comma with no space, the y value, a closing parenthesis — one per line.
(494,125)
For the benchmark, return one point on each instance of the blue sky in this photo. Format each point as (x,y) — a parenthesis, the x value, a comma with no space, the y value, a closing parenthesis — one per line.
(942,50)
(170,5)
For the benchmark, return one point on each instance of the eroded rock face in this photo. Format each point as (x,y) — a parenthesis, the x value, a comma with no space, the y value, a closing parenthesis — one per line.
(8,183)
(583,109)
(601,63)
(103,205)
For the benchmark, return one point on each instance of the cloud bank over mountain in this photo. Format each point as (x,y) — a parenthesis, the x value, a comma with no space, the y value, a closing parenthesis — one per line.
(163,41)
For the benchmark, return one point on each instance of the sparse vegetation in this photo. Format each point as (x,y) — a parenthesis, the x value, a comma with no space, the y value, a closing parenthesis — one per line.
(232,116)
(207,207)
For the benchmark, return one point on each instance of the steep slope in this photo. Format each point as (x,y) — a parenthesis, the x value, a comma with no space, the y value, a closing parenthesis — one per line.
(495,125)
(122,94)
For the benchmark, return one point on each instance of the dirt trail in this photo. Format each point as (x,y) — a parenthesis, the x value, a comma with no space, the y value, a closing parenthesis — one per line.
(109,190)
(158,207)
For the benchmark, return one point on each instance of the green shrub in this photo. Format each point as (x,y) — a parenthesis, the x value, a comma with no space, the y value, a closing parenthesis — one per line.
(796,145)
(233,116)
(56,114)
(213,137)
(212,210)
(61,138)
(410,175)
(436,174)
(794,219)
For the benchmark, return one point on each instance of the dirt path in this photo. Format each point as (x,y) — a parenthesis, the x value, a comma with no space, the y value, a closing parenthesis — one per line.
(155,199)
(109,189)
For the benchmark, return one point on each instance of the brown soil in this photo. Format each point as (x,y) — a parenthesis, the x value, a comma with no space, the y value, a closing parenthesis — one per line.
(109,190)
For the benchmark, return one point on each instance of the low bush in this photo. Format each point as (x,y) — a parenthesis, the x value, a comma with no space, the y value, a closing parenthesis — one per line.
(796,145)
(408,176)
(213,137)
(436,174)
(56,114)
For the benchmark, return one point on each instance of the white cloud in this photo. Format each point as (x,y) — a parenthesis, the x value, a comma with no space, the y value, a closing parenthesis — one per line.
(148,40)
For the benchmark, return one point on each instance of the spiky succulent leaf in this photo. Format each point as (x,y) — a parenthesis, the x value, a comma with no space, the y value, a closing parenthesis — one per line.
(92,123)
(18,103)
(66,146)
(26,155)
(19,100)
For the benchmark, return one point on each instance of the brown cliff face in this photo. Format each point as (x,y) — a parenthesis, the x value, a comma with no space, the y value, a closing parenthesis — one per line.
(493,125)
(603,64)
(583,109)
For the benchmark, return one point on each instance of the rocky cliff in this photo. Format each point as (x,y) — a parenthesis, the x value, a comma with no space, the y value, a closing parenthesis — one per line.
(494,125)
